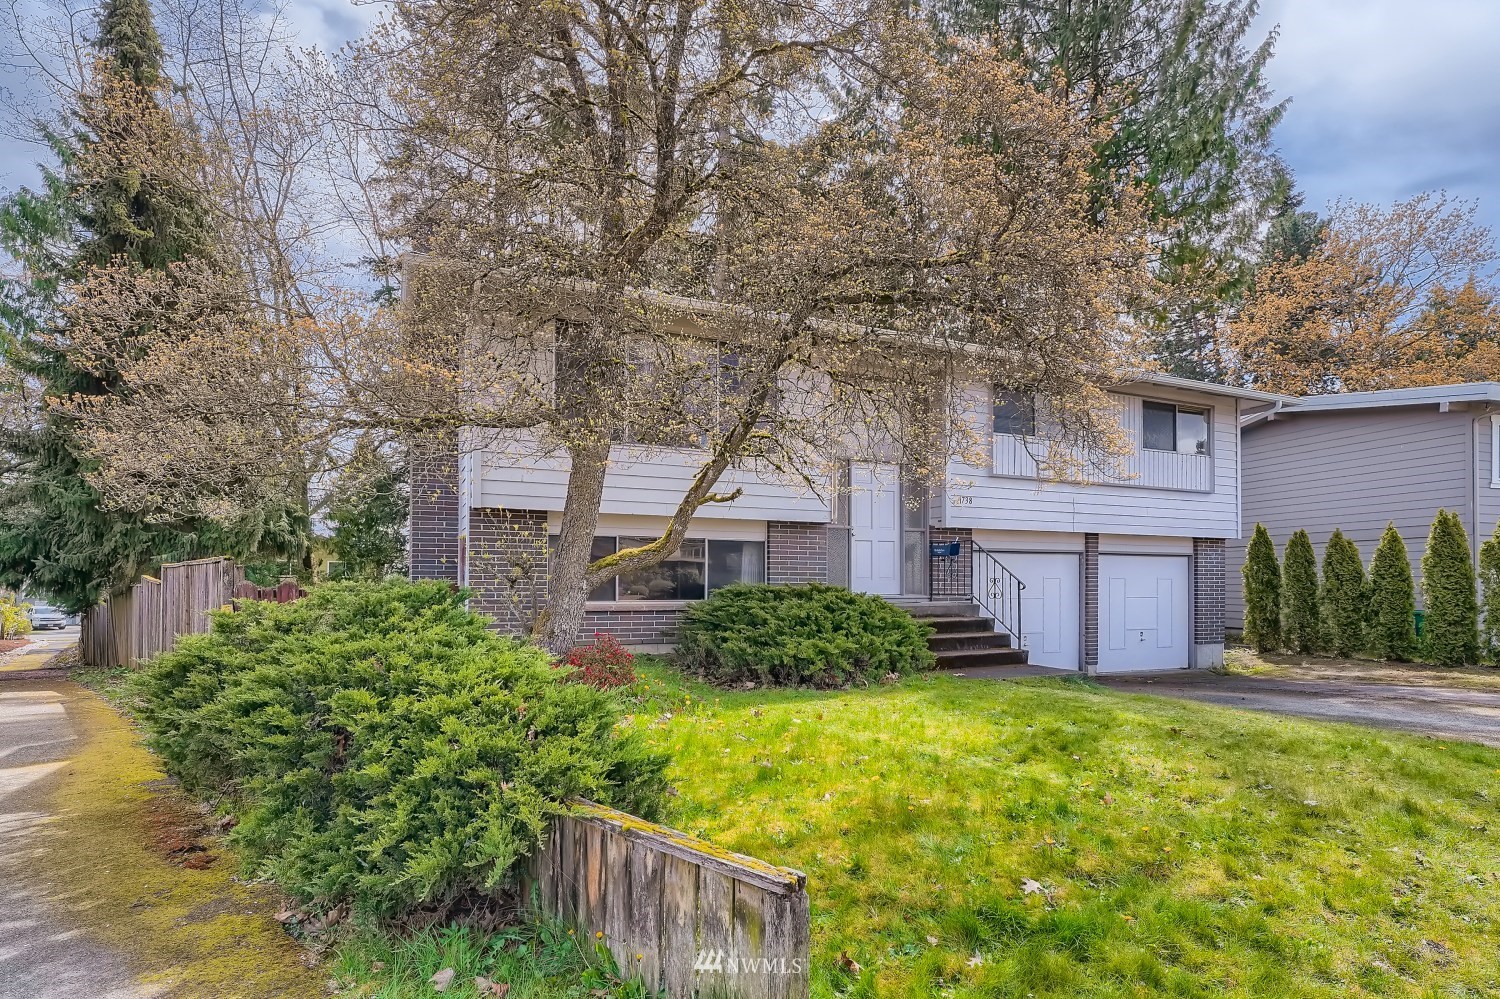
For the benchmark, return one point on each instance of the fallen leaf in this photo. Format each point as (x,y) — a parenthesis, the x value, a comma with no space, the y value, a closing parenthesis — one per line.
(1030,887)
(976,960)
(286,915)
(441,980)
(932,940)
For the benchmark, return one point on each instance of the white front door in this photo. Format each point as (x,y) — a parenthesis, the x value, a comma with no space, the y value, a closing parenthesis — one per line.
(875,529)
(1051,618)
(1144,607)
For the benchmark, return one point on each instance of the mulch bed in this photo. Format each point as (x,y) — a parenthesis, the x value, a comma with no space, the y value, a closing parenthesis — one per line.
(12,644)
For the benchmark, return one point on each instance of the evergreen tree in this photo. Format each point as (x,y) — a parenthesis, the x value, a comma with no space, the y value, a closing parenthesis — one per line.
(1393,630)
(1489,596)
(1262,577)
(112,202)
(1182,87)
(1452,624)
(368,512)
(1301,618)
(1344,596)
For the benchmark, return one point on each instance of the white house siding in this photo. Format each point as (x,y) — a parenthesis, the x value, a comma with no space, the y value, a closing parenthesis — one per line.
(980,498)
(640,482)
(1355,471)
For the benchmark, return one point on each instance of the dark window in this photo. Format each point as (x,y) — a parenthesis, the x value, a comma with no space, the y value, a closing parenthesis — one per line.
(1015,413)
(697,568)
(679,577)
(1158,426)
(735,562)
(1165,427)
(600,548)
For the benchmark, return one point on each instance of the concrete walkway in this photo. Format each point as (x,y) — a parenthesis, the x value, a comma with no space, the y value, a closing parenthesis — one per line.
(98,897)
(1441,712)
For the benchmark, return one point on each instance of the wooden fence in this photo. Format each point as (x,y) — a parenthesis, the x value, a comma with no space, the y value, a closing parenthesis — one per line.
(692,920)
(147,619)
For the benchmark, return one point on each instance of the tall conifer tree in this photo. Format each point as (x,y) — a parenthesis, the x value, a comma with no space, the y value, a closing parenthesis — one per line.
(114,201)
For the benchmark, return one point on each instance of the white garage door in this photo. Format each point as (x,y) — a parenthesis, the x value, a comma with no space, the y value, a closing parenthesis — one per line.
(1051,617)
(1144,604)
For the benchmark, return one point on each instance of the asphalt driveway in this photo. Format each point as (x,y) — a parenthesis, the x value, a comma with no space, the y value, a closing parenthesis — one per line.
(1441,712)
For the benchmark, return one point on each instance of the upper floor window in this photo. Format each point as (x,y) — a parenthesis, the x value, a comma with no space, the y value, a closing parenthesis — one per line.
(1166,427)
(1015,413)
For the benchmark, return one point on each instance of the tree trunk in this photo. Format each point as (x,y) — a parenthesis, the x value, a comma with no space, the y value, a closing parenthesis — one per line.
(557,626)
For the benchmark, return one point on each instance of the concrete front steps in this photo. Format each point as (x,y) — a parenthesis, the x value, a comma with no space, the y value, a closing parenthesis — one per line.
(963,637)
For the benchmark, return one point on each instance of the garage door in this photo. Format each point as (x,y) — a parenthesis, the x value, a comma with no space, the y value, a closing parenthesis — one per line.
(1050,613)
(1144,619)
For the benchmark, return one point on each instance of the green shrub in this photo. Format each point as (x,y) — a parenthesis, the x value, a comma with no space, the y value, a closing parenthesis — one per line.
(1262,576)
(1452,626)
(1392,624)
(808,634)
(1345,597)
(381,747)
(1301,617)
(1489,596)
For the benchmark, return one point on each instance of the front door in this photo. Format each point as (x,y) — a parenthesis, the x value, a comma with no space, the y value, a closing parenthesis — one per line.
(875,529)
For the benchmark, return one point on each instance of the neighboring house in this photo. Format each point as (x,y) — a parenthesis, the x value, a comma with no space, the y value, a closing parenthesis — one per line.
(1106,576)
(1360,460)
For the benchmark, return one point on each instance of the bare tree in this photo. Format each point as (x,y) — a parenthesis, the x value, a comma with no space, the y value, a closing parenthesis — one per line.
(770,231)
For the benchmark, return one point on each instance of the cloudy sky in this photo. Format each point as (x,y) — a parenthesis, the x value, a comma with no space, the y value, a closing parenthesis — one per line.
(1389,97)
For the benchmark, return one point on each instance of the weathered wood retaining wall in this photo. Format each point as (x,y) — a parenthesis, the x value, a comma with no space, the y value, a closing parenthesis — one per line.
(690,919)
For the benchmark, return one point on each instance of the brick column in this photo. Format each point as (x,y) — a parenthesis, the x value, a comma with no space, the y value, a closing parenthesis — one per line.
(954,577)
(1091,604)
(508,567)
(433,514)
(796,553)
(1209,558)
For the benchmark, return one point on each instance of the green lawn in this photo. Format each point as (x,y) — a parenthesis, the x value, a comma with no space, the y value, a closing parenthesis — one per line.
(1175,849)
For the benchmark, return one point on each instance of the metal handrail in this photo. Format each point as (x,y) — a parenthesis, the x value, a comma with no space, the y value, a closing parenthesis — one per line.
(999,591)
(985,580)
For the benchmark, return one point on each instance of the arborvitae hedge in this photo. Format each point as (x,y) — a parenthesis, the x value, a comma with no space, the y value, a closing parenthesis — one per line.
(1489,594)
(1301,619)
(381,747)
(1393,632)
(1345,596)
(1452,624)
(1262,576)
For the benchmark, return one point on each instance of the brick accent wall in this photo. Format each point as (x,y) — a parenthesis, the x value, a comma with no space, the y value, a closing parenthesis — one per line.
(433,513)
(1209,564)
(657,626)
(796,553)
(953,578)
(1091,603)
(508,570)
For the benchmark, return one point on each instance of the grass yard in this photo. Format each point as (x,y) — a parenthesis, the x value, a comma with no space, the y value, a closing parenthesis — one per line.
(1246,662)
(1051,838)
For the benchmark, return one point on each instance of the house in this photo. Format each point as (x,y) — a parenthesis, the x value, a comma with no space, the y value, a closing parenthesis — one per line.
(1361,460)
(1122,572)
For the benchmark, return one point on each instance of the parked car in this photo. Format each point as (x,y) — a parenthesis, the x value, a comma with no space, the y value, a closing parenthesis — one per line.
(46,616)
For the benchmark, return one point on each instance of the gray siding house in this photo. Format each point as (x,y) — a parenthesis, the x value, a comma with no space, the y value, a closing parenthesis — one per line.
(1364,459)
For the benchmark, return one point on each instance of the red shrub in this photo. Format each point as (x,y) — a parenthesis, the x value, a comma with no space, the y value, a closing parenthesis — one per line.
(605,664)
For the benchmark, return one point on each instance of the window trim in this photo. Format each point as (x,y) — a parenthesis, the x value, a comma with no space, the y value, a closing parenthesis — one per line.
(1206,412)
(1495,450)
